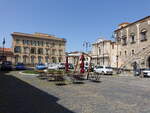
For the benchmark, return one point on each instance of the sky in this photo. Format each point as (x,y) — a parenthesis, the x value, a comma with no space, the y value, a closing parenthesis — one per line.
(77,21)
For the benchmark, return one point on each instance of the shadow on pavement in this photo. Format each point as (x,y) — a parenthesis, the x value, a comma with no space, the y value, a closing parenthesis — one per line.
(17,96)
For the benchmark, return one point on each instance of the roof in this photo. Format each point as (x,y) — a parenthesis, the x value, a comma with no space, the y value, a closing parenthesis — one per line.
(133,23)
(6,49)
(38,35)
(101,41)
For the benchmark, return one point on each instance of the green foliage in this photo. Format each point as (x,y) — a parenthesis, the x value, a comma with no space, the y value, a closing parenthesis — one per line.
(30,72)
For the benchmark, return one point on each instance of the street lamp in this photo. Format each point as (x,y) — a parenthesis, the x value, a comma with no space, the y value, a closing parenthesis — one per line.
(97,51)
(103,53)
(86,45)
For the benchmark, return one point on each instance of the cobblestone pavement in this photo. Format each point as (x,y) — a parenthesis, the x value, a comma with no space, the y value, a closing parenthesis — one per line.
(126,94)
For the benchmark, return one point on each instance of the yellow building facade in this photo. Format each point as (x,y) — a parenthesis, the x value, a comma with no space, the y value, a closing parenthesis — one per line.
(37,48)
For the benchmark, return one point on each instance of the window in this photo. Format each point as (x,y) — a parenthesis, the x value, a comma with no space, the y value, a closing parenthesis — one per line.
(34,43)
(40,59)
(132,52)
(120,53)
(33,50)
(132,37)
(40,51)
(99,51)
(59,45)
(53,52)
(47,51)
(59,59)
(125,52)
(60,52)
(143,35)
(54,60)
(32,59)
(31,42)
(41,43)
(47,44)
(46,59)
(118,39)
(53,44)
(17,49)
(38,43)
(23,41)
(17,41)
(124,39)
(26,50)
(28,42)
(113,46)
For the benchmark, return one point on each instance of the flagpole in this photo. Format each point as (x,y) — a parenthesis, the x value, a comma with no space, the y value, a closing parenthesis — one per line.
(3,47)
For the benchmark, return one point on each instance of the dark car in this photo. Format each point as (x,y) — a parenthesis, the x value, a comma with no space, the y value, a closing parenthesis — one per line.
(62,66)
(6,65)
(20,66)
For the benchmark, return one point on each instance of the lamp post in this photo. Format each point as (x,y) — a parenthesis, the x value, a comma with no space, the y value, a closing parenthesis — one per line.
(86,45)
(103,53)
(97,51)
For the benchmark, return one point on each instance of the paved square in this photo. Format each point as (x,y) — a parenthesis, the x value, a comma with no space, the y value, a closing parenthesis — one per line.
(111,95)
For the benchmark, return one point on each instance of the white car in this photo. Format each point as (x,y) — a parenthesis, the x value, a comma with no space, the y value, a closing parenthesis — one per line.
(103,70)
(53,66)
(146,72)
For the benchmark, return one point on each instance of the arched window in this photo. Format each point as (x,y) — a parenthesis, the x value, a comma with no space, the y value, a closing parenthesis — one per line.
(124,40)
(54,60)
(143,34)
(125,52)
(59,59)
(132,53)
(132,38)
(40,51)
(46,59)
(32,59)
(33,51)
(17,49)
(40,59)
(118,39)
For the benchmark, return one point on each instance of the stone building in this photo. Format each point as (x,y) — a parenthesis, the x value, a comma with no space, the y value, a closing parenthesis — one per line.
(37,48)
(133,40)
(104,53)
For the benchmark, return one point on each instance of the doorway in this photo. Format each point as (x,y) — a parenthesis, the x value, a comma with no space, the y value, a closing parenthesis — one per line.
(148,62)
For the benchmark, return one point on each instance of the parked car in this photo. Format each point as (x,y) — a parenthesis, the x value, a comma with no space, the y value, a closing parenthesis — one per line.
(103,70)
(146,72)
(20,66)
(61,66)
(40,66)
(6,65)
(53,66)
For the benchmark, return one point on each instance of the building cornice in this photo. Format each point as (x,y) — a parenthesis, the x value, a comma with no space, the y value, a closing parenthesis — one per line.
(141,20)
(38,35)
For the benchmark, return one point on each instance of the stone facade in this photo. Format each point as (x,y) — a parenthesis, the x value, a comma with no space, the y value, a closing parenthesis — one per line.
(133,40)
(37,48)
(104,53)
